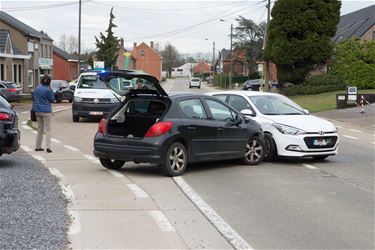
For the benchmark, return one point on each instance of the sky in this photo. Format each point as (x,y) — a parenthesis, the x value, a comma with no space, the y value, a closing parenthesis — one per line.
(190,26)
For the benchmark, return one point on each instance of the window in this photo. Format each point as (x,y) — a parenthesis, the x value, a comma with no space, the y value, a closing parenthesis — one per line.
(239,103)
(219,111)
(19,73)
(373,35)
(192,108)
(2,72)
(14,72)
(221,97)
(142,52)
(30,78)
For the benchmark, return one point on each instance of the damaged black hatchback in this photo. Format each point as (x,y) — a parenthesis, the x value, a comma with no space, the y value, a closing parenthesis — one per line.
(173,130)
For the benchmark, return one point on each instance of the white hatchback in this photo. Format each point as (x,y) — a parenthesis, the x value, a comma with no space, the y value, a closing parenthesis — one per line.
(195,82)
(289,130)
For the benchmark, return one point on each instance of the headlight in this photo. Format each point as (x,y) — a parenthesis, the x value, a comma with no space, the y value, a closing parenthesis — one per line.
(288,130)
(77,99)
(114,100)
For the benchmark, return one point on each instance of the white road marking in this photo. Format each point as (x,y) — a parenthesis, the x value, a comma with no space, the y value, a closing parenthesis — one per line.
(373,142)
(227,231)
(26,127)
(75,226)
(34,132)
(26,148)
(355,130)
(115,173)
(137,191)
(55,140)
(56,172)
(39,157)
(24,122)
(162,221)
(24,112)
(350,137)
(67,191)
(309,166)
(338,127)
(59,110)
(71,148)
(91,158)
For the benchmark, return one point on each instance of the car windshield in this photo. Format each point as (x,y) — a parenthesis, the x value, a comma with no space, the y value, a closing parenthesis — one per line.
(91,82)
(276,105)
(195,79)
(55,84)
(4,103)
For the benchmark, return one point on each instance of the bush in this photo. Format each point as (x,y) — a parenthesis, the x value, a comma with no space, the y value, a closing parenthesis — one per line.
(316,85)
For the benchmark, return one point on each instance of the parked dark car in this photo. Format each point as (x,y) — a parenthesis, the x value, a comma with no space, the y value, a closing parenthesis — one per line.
(9,133)
(255,84)
(62,90)
(10,91)
(174,130)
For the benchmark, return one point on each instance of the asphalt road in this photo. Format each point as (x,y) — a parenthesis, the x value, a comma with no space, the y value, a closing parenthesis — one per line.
(286,205)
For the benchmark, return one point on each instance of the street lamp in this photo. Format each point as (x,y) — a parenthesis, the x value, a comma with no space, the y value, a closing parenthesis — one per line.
(231,52)
(213,56)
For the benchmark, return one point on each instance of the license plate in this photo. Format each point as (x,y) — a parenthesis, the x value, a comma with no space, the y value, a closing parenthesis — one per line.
(320,142)
(95,113)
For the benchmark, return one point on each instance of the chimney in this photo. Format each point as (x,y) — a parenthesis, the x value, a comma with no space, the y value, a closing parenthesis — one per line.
(135,45)
(152,44)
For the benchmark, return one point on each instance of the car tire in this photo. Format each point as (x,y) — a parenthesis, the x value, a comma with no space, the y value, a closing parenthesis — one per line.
(70,100)
(270,150)
(58,98)
(320,157)
(75,118)
(175,160)
(112,164)
(254,152)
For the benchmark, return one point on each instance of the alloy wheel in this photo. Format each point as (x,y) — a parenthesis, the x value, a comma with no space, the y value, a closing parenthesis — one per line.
(254,151)
(177,159)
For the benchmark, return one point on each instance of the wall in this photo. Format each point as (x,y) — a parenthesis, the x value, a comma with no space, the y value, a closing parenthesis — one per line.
(60,68)
(369,33)
(150,62)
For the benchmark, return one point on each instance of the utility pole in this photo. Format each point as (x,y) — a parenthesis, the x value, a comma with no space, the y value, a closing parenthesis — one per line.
(267,63)
(231,55)
(79,39)
(213,60)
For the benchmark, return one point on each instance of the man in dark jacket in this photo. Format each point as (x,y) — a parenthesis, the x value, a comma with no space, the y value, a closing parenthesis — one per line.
(43,97)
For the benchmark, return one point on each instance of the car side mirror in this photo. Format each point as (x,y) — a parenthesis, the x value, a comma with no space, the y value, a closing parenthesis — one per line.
(248,112)
(72,87)
(306,111)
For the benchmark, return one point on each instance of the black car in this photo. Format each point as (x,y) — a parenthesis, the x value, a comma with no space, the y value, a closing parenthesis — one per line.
(10,91)
(255,84)
(9,133)
(62,90)
(174,130)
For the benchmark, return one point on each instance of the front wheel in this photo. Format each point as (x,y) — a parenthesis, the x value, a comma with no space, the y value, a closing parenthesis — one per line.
(58,98)
(75,118)
(270,150)
(254,152)
(175,160)
(112,164)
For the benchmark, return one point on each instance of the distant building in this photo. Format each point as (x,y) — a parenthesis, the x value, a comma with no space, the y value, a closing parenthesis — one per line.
(65,65)
(202,68)
(25,53)
(185,70)
(125,59)
(357,24)
(147,59)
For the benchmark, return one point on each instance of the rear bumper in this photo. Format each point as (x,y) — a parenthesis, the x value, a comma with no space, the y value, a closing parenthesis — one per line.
(82,109)
(10,141)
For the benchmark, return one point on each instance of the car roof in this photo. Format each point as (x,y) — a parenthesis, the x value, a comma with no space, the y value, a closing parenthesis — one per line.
(246,93)
(176,95)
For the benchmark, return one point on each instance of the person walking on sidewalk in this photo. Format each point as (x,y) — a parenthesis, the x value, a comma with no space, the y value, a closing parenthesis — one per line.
(43,97)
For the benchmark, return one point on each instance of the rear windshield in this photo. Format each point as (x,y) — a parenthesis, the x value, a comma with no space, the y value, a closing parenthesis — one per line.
(195,79)
(9,84)
(4,103)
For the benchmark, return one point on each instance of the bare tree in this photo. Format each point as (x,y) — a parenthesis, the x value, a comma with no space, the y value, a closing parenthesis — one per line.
(62,42)
(72,44)
(170,57)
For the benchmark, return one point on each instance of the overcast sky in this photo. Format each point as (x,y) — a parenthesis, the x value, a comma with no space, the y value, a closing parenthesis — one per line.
(185,24)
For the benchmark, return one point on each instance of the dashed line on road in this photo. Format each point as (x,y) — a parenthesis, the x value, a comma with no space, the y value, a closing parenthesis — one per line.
(71,148)
(39,158)
(137,191)
(115,173)
(34,132)
(355,130)
(338,126)
(75,226)
(162,221)
(26,127)
(59,110)
(24,112)
(67,191)
(227,231)
(55,140)
(91,158)
(373,142)
(56,173)
(350,137)
(26,148)
(309,166)
(24,122)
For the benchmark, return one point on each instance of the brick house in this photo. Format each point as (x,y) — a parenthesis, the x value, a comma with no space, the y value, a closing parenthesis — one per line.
(25,53)
(146,59)
(202,68)
(65,65)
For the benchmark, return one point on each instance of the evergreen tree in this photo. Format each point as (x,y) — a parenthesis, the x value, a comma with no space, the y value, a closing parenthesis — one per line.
(108,46)
(300,36)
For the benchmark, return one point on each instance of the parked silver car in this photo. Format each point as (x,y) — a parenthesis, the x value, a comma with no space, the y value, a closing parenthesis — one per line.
(10,91)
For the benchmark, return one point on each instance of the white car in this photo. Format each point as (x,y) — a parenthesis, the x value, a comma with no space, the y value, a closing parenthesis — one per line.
(195,82)
(289,130)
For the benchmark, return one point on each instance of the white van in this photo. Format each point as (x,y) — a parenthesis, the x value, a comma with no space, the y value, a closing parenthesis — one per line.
(92,96)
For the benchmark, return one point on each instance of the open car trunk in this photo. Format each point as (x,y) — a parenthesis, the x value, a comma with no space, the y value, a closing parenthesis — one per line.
(136,117)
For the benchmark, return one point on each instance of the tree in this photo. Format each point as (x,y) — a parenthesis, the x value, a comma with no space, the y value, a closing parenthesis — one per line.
(248,37)
(62,42)
(71,44)
(170,57)
(108,46)
(300,36)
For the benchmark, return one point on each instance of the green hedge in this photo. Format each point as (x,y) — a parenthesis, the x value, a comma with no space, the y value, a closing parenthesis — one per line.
(222,80)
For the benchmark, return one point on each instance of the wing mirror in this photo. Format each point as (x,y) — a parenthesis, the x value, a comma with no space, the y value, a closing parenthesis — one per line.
(247,112)
(306,111)
(72,87)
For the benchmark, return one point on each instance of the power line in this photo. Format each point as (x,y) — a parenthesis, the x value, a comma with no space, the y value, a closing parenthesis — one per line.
(41,7)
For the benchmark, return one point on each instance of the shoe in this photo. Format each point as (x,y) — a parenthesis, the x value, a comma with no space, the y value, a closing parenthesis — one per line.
(49,150)
(39,149)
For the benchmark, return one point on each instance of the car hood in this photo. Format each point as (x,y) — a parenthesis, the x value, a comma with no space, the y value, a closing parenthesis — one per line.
(308,123)
(95,93)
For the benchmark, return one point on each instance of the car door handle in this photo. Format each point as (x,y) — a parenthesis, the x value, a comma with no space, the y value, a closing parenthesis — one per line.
(220,129)
(191,128)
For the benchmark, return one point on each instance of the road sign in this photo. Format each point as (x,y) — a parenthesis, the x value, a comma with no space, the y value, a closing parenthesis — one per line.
(98,65)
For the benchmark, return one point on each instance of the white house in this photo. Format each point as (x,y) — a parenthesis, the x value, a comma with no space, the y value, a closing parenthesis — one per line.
(185,70)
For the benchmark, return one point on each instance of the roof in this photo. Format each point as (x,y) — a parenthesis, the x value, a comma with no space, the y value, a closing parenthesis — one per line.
(64,54)
(355,24)
(224,54)
(22,27)
(245,92)
(3,40)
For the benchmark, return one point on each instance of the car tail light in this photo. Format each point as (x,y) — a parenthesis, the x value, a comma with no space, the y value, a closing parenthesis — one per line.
(5,117)
(12,90)
(158,129)
(103,126)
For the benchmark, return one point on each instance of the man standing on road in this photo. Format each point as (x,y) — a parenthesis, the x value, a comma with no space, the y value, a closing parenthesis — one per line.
(43,97)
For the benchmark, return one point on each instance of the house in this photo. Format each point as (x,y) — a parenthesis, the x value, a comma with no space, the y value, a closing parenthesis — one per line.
(125,59)
(184,70)
(25,54)
(357,24)
(65,65)
(147,59)
(202,68)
